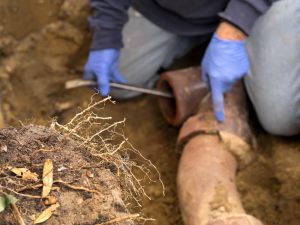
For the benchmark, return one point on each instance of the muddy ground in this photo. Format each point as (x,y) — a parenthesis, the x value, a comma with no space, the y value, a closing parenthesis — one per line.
(44,43)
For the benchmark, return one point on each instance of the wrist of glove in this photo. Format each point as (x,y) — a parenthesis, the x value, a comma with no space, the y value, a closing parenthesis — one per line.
(102,65)
(224,63)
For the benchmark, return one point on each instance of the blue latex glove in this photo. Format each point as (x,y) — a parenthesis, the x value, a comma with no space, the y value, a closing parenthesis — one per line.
(102,65)
(224,63)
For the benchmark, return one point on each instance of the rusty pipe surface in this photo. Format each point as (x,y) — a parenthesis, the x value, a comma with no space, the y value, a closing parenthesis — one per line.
(206,185)
(188,91)
(212,152)
(205,181)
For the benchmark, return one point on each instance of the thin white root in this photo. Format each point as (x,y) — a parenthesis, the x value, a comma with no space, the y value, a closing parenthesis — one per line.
(120,219)
(105,140)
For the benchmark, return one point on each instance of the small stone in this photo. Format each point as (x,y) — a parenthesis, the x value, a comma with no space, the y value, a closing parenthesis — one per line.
(89,174)
(51,200)
(4,148)
(79,201)
(62,168)
(32,217)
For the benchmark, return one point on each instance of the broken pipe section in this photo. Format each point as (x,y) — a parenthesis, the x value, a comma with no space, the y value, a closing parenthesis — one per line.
(188,91)
(212,152)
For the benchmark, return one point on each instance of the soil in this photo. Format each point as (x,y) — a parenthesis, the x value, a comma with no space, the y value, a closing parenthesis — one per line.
(29,147)
(44,43)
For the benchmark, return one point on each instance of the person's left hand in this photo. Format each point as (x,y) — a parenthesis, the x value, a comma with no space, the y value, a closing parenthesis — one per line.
(224,63)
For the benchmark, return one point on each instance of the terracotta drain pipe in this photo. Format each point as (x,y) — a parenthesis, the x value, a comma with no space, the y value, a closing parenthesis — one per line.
(187,88)
(212,153)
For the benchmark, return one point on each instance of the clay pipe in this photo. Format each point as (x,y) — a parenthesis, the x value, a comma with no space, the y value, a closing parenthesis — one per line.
(188,91)
(206,185)
(212,153)
(205,171)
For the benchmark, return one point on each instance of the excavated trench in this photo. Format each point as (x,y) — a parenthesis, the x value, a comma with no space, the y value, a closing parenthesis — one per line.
(44,43)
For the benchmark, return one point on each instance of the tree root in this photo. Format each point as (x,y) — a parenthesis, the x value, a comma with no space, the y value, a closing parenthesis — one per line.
(78,188)
(119,219)
(20,194)
(43,150)
(17,214)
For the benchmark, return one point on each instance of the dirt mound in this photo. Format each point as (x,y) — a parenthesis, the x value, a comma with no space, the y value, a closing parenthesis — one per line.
(88,192)
(38,57)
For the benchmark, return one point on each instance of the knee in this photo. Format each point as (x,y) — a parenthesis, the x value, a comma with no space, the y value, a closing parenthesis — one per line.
(277,109)
(282,123)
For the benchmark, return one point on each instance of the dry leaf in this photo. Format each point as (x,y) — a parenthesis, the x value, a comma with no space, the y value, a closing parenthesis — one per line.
(47,177)
(46,214)
(25,173)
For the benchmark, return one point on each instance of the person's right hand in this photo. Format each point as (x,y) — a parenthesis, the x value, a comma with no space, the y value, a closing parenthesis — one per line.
(224,63)
(102,65)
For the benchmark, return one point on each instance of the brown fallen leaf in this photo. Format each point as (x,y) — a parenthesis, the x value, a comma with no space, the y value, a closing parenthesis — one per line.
(46,214)
(25,174)
(47,177)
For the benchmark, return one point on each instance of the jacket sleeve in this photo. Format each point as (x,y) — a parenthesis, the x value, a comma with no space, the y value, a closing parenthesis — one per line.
(107,21)
(244,13)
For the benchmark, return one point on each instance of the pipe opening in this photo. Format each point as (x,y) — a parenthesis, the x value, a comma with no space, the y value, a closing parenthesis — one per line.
(167,105)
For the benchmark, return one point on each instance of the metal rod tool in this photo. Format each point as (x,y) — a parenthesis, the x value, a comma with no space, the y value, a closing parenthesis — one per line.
(80,83)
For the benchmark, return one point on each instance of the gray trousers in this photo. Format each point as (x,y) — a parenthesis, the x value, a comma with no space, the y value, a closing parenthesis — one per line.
(273,82)
(146,49)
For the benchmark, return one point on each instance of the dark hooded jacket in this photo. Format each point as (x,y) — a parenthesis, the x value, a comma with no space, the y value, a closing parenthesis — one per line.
(182,17)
